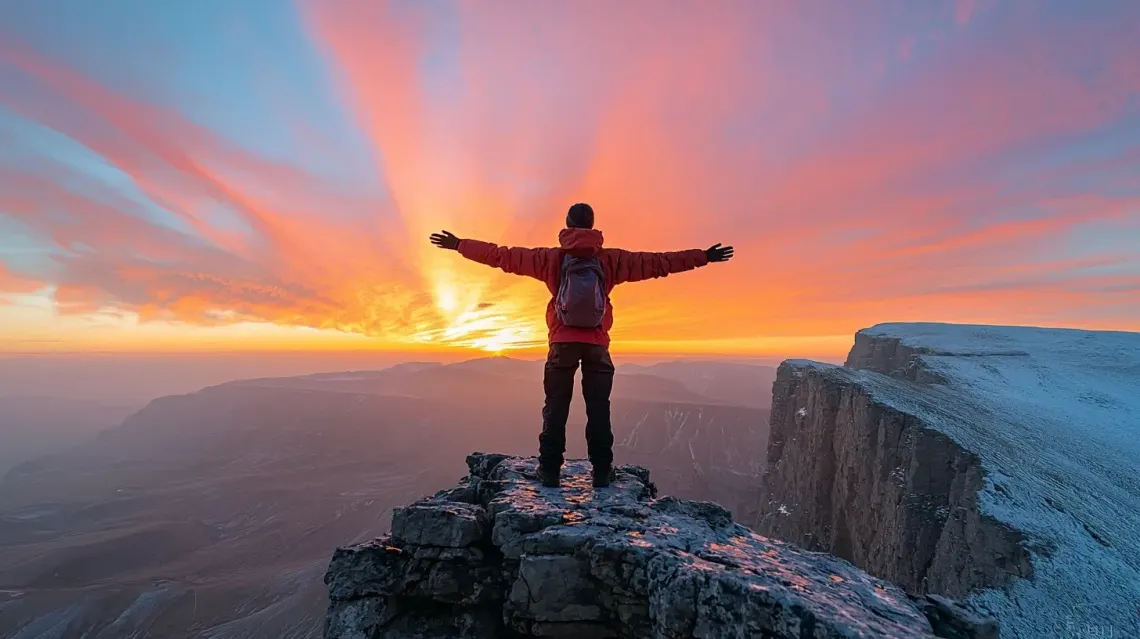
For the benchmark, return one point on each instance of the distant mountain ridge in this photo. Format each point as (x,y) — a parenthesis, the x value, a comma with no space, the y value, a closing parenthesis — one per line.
(734,383)
(696,381)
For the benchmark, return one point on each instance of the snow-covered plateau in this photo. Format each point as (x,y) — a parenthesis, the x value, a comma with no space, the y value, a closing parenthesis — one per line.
(998,463)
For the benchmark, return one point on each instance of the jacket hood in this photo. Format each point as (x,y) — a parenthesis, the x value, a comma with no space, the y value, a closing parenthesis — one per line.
(580,242)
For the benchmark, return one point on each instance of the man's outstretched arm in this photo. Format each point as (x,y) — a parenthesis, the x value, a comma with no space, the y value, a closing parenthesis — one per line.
(519,261)
(634,266)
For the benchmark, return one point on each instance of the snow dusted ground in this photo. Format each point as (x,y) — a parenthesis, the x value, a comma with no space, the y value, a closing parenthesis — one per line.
(1054,415)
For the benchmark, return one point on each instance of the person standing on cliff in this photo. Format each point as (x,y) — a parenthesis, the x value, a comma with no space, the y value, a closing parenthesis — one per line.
(580,274)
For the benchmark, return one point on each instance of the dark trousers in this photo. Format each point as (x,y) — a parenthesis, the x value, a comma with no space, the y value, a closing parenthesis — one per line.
(558,381)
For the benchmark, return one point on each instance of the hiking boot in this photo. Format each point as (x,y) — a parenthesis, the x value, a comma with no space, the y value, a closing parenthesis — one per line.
(603,476)
(549,477)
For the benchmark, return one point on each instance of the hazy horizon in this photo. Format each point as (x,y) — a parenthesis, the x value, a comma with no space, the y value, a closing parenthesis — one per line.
(49,403)
(139,377)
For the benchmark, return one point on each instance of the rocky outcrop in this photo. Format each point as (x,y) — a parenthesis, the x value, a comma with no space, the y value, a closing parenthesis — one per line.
(992,464)
(860,478)
(500,556)
(890,356)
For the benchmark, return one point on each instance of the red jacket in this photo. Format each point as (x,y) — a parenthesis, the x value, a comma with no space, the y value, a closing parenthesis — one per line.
(546,264)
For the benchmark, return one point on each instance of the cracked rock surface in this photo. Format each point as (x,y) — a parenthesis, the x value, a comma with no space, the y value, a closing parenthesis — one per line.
(501,556)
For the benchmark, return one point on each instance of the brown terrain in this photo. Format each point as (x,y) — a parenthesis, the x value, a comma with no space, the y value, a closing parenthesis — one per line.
(213,514)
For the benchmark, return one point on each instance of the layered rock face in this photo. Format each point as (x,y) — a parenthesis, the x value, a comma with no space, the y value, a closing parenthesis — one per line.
(989,463)
(500,556)
(870,483)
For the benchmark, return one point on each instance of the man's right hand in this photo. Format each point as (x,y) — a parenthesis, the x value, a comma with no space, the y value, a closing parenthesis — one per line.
(445,240)
(718,253)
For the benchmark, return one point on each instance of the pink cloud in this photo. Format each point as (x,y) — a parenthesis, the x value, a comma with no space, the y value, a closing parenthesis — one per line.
(906,48)
(13,283)
(964,10)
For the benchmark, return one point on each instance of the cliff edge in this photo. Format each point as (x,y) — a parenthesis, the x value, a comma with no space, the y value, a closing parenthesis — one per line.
(500,556)
(996,464)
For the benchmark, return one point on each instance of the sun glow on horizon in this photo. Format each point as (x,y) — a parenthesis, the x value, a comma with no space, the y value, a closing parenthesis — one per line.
(31,329)
(467,318)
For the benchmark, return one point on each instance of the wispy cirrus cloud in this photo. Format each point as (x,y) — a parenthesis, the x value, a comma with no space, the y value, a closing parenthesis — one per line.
(982,170)
(207,232)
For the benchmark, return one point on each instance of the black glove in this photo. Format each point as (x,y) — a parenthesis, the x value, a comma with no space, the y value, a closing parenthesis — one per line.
(717,253)
(445,240)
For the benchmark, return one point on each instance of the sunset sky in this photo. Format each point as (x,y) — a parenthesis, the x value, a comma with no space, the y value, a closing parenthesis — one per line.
(264,174)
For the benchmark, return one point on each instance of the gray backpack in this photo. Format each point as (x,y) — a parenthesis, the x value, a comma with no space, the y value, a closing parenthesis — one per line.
(581,299)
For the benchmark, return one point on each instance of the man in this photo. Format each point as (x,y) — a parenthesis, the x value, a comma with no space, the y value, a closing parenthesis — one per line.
(579,275)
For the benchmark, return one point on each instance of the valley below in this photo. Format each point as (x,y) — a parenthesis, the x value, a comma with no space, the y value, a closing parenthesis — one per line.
(213,514)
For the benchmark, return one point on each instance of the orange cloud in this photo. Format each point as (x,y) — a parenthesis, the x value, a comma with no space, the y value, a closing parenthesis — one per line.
(12,283)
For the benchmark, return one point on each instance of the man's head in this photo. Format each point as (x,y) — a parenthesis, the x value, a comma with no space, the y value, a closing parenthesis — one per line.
(580,216)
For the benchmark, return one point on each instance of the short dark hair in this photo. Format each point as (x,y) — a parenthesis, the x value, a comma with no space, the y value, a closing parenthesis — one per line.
(580,216)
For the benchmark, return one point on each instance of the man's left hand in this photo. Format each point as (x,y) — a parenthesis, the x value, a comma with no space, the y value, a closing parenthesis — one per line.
(718,253)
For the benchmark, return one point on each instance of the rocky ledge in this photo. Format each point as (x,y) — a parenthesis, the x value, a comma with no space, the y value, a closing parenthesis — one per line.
(500,556)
